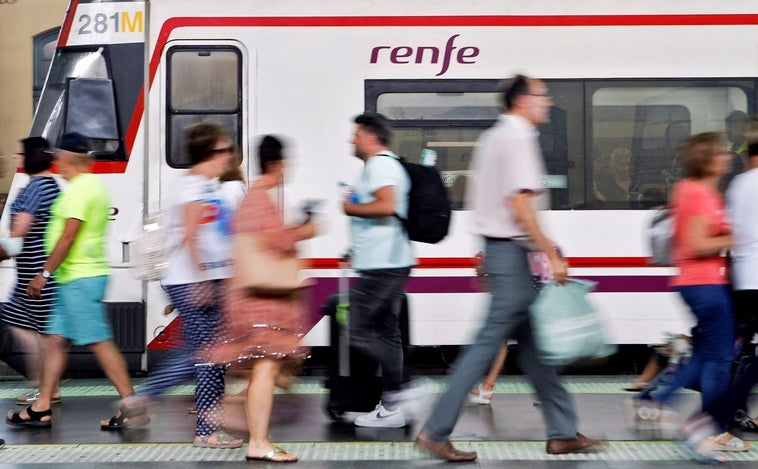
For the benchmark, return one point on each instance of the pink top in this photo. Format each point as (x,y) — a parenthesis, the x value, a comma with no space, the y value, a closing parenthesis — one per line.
(695,199)
(254,326)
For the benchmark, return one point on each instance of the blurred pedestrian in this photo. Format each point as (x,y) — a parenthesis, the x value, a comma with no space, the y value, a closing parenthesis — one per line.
(75,244)
(510,171)
(701,234)
(383,258)
(732,407)
(264,332)
(30,212)
(198,223)
(741,198)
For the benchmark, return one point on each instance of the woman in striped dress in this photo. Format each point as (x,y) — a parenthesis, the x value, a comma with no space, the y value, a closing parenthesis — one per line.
(30,213)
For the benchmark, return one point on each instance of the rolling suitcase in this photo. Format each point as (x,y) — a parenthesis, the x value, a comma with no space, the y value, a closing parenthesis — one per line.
(353,379)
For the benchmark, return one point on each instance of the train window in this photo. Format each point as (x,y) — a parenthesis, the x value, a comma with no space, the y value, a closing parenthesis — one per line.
(204,83)
(422,124)
(610,144)
(635,132)
(438,106)
(49,120)
(447,117)
(91,111)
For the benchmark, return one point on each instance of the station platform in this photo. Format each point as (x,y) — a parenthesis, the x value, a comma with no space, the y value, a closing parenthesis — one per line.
(508,433)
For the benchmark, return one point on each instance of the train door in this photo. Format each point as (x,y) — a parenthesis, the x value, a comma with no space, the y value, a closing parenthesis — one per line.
(201,81)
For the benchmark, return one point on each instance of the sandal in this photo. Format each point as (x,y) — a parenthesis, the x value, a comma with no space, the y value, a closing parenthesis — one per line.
(480,395)
(34,420)
(223,440)
(125,419)
(748,424)
(701,454)
(728,442)
(271,456)
(636,386)
(33,395)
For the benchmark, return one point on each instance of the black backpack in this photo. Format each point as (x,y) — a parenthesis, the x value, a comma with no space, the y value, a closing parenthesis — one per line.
(428,204)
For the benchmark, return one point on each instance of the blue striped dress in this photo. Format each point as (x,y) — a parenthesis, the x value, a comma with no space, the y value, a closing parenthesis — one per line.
(22,311)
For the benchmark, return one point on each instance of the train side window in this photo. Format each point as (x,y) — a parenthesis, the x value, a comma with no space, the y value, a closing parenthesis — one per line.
(447,117)
(635,133)
(204,83)
(445,122)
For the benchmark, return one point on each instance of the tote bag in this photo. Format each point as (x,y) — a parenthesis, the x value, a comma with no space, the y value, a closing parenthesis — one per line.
(263,271)
(150,249)
(565,324)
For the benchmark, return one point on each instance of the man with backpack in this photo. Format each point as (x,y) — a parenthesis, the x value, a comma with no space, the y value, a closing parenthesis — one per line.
(383,257)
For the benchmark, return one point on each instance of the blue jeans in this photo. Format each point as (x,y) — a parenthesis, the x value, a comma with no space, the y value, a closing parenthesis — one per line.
(508,317)
(375,304)
(713,346)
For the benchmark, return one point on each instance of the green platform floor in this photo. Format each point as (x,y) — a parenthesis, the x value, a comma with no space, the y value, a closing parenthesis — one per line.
(509,433)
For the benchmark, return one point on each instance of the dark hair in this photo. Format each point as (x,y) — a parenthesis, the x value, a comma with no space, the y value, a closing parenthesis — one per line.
(38,156)
(200,139)
(513,88)
(234,172)
(698,152)
(269,151)
(376,124)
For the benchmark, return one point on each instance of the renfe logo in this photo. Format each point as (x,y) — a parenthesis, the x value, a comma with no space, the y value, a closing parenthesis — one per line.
(404,54)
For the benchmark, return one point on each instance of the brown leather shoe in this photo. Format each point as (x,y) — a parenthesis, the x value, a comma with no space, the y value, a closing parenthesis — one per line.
(566,446)
(444,450)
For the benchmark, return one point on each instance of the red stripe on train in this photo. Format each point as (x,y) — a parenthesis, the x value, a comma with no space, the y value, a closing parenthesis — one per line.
(468,262)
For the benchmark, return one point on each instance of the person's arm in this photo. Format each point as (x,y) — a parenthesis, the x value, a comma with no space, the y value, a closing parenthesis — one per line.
(56,257)
(700,242)
(21,224)
(191,215)
(383,205)
(526,217)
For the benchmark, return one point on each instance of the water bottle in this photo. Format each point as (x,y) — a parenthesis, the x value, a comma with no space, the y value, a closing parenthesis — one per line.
(428,157)
(348,193)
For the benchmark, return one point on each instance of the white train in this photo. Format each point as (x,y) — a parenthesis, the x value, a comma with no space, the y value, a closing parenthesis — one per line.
(629,81)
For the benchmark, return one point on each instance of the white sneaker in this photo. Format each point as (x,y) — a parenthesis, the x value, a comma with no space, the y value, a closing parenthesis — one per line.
(381,418)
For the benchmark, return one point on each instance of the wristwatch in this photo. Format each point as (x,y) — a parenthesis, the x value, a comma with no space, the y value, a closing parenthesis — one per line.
(45,274)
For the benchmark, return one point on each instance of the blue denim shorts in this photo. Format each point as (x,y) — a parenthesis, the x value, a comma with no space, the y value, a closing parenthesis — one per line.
(79,313)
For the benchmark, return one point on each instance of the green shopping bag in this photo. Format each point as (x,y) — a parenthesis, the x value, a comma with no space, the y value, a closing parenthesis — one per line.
(565,325)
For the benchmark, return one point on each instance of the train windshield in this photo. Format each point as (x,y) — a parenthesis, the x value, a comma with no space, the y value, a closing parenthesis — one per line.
(79,97)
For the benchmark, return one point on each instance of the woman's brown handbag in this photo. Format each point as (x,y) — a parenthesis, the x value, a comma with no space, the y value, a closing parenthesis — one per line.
(264,272)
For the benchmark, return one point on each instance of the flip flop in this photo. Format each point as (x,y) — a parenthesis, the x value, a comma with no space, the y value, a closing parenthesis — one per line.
(223,441)
(269,457)
(728,442)
(703,456)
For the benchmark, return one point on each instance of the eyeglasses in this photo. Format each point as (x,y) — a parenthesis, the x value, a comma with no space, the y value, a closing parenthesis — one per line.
(543,95)
(215,151)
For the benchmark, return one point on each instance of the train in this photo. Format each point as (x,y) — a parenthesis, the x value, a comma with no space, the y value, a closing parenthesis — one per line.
(629,82)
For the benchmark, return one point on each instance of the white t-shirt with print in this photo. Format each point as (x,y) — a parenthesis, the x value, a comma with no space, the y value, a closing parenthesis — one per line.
(213,233)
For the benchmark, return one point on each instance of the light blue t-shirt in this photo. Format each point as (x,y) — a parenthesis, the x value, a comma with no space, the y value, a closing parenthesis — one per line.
(382,243)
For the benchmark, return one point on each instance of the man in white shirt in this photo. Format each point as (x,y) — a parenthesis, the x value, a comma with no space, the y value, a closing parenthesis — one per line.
(383,257)
(741,198)
(509,190)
